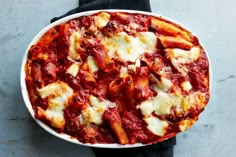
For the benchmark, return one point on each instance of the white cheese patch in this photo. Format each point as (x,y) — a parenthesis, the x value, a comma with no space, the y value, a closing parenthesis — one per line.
(74,46)
(163,102)
(94,112)
(92,64)
(123,71)
(156,126)
(73,69)
(163,85)
(57,95)
(133,67)
(146,108)
(129,48)
(186,85)
(101,19)
(179,57)
(184,56)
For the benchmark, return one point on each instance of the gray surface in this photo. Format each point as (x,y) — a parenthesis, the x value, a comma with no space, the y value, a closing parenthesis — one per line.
(212,20)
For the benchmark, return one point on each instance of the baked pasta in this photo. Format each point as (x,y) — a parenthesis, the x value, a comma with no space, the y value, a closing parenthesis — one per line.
(118,77)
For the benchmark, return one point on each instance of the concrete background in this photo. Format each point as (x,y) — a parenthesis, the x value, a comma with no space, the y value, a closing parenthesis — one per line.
(214,23)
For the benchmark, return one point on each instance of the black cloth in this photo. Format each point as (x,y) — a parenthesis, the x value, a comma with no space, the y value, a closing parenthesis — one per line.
(85,5)
(163,149)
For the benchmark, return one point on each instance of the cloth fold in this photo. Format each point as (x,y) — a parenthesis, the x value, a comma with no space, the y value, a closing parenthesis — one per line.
(162,149)
(86,5)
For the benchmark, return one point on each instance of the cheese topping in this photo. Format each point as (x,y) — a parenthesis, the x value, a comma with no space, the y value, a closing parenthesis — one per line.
(132,67)
(156,126)
(129,48)
(163,85)
(94,112)
(161,105)
(74,46)
(180,56)
(184,56)
(101,19)
(163,102)
(123,71)
(92,64)
(57,95)
(73,69)
(186,85)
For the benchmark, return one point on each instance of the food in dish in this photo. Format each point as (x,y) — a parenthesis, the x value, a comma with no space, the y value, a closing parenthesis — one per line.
(118,77)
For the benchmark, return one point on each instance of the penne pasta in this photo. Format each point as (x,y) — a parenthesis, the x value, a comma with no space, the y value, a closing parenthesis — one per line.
(115,87)
(175,42)
(142,89)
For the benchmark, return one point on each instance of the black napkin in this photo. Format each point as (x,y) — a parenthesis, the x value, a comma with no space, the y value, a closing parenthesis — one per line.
(163,149)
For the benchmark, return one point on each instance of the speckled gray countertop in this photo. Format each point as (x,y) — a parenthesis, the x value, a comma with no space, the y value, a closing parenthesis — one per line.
(214,22)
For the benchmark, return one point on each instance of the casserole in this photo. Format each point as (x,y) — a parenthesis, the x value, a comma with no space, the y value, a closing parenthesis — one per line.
(160,101)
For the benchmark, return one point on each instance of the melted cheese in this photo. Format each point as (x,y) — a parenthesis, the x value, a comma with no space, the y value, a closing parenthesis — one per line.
(129,48)
(163,102)
(156,126)
(101,19)
(73,69)
(94,112)
(179,57)
(163,85)
(57,95)
(74,46)
(123,71)
(146,108)
(92,64)
(184,56)
(186,85)
(161,105)
(133,67)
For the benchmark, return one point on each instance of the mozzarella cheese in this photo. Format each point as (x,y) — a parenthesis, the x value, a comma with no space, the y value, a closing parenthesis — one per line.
(146,108)
(73,69)
(184,56)
(186,85)
(156,126)
(92,64)
(163,85)
(129,48)
(163,102)
(57,95)
(93,113)
(101,19)
(161,105)
(123,71)
(133,67)
(74,46)
(179,57)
